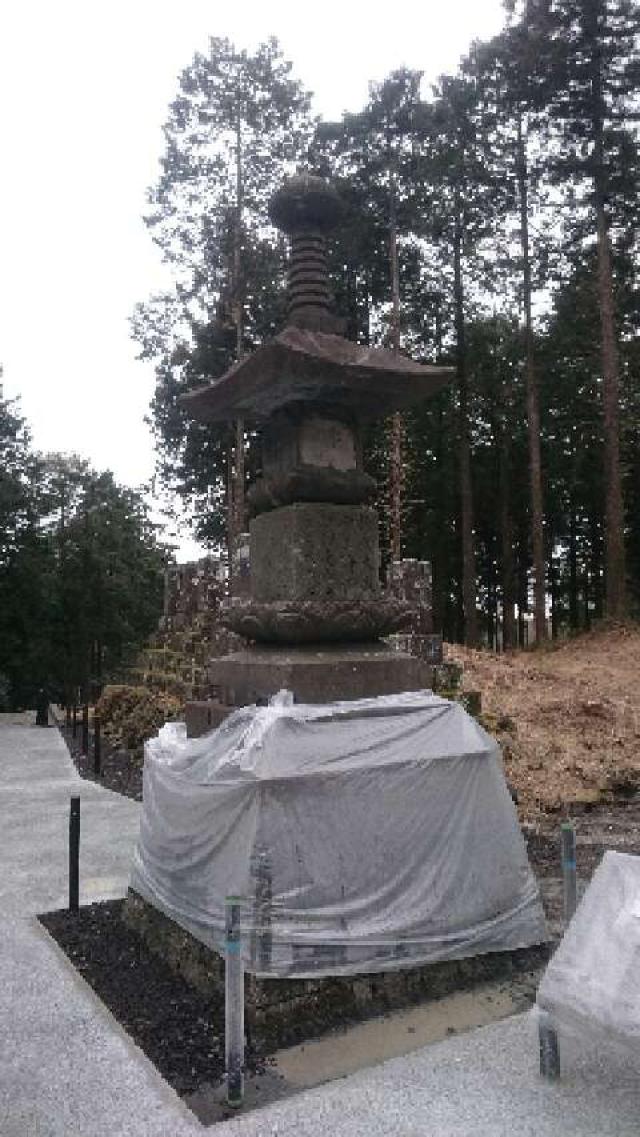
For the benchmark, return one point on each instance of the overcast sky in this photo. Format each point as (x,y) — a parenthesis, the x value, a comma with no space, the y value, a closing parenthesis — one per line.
(84,88)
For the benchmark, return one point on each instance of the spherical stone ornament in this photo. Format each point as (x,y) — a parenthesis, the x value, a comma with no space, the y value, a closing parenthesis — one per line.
(305,203)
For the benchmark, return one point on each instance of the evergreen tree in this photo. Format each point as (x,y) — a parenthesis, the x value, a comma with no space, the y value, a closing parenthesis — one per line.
(81,570)
(238,123)
(592,47)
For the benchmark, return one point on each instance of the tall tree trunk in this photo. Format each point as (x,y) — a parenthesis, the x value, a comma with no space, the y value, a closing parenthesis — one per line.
(553,592)
(464,455)
(235,489)
(523,597)
(596,569)
(239,510)
(492,599)
(615,567)
(573,566)
(396,434)
(230,447)
(506,534)
(532,399)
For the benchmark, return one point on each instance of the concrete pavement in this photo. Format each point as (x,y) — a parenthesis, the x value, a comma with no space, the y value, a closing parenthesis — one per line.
(67,1069)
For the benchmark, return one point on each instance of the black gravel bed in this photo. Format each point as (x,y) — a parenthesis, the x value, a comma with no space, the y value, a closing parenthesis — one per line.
(179,1030)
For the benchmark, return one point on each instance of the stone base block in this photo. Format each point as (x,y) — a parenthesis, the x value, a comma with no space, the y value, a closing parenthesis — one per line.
(280,1012)
(203,715)
(320,676)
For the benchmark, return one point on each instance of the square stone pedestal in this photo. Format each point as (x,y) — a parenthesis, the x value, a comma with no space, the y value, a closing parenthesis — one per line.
(324,675)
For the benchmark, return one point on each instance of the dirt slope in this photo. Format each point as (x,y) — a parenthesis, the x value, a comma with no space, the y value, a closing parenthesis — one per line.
(567,717)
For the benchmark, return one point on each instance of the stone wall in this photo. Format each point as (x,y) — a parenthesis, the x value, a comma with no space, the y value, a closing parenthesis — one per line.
(280,1012)
(190,590)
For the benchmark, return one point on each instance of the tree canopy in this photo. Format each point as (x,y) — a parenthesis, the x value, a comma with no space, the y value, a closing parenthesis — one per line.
(81,570)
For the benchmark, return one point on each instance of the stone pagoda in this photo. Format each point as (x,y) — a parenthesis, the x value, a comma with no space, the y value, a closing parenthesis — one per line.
(316,612)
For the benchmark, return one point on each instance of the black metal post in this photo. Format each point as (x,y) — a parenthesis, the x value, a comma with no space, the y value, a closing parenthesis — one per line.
(67,716)
(549,1048)
(74,855)
(85,729)
(97,745)
(569,878)
(74,729)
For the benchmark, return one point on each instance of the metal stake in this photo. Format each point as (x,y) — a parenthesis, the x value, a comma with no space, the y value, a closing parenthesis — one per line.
(569,880)
(549,1049)
(75,721)
(74,855)
(85,729)
(97,745)
(234,1003)
(261,933)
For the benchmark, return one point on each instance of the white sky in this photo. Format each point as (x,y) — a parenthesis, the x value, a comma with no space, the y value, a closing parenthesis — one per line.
(84,88)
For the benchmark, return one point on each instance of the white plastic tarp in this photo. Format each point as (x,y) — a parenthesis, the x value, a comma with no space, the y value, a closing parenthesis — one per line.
(592,984)
(362,835)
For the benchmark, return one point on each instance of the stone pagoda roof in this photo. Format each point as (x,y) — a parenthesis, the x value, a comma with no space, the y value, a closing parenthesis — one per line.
(309,362)
(315,368)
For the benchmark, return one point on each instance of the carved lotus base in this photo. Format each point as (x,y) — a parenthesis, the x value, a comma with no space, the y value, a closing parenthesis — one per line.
(297,622)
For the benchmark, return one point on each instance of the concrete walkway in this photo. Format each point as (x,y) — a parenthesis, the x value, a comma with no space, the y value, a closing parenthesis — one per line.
(67,1069)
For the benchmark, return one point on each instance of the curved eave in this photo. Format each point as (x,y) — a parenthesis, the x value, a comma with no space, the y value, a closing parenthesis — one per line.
(301,366)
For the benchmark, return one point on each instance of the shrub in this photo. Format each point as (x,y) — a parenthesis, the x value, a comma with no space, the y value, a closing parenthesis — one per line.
(131,715)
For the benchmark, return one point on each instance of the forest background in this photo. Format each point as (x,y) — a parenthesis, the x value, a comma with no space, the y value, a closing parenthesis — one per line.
(491,223)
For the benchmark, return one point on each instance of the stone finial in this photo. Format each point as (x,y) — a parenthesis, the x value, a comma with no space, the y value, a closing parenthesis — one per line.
(307,208)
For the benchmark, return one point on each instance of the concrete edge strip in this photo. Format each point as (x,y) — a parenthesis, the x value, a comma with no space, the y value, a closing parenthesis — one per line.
(151,1072)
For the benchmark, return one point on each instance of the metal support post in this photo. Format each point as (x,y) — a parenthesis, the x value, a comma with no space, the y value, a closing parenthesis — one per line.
(569,880)
(261,932)
(74,730)
(74,855)
(85,729)
(97,745)
(234,1003)
(549,1049)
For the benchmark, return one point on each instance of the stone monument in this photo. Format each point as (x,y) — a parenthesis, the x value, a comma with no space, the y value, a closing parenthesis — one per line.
(327,941)
(315,610)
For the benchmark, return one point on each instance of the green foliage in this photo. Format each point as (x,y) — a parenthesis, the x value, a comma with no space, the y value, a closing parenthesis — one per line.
(81,570)
(238,120)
